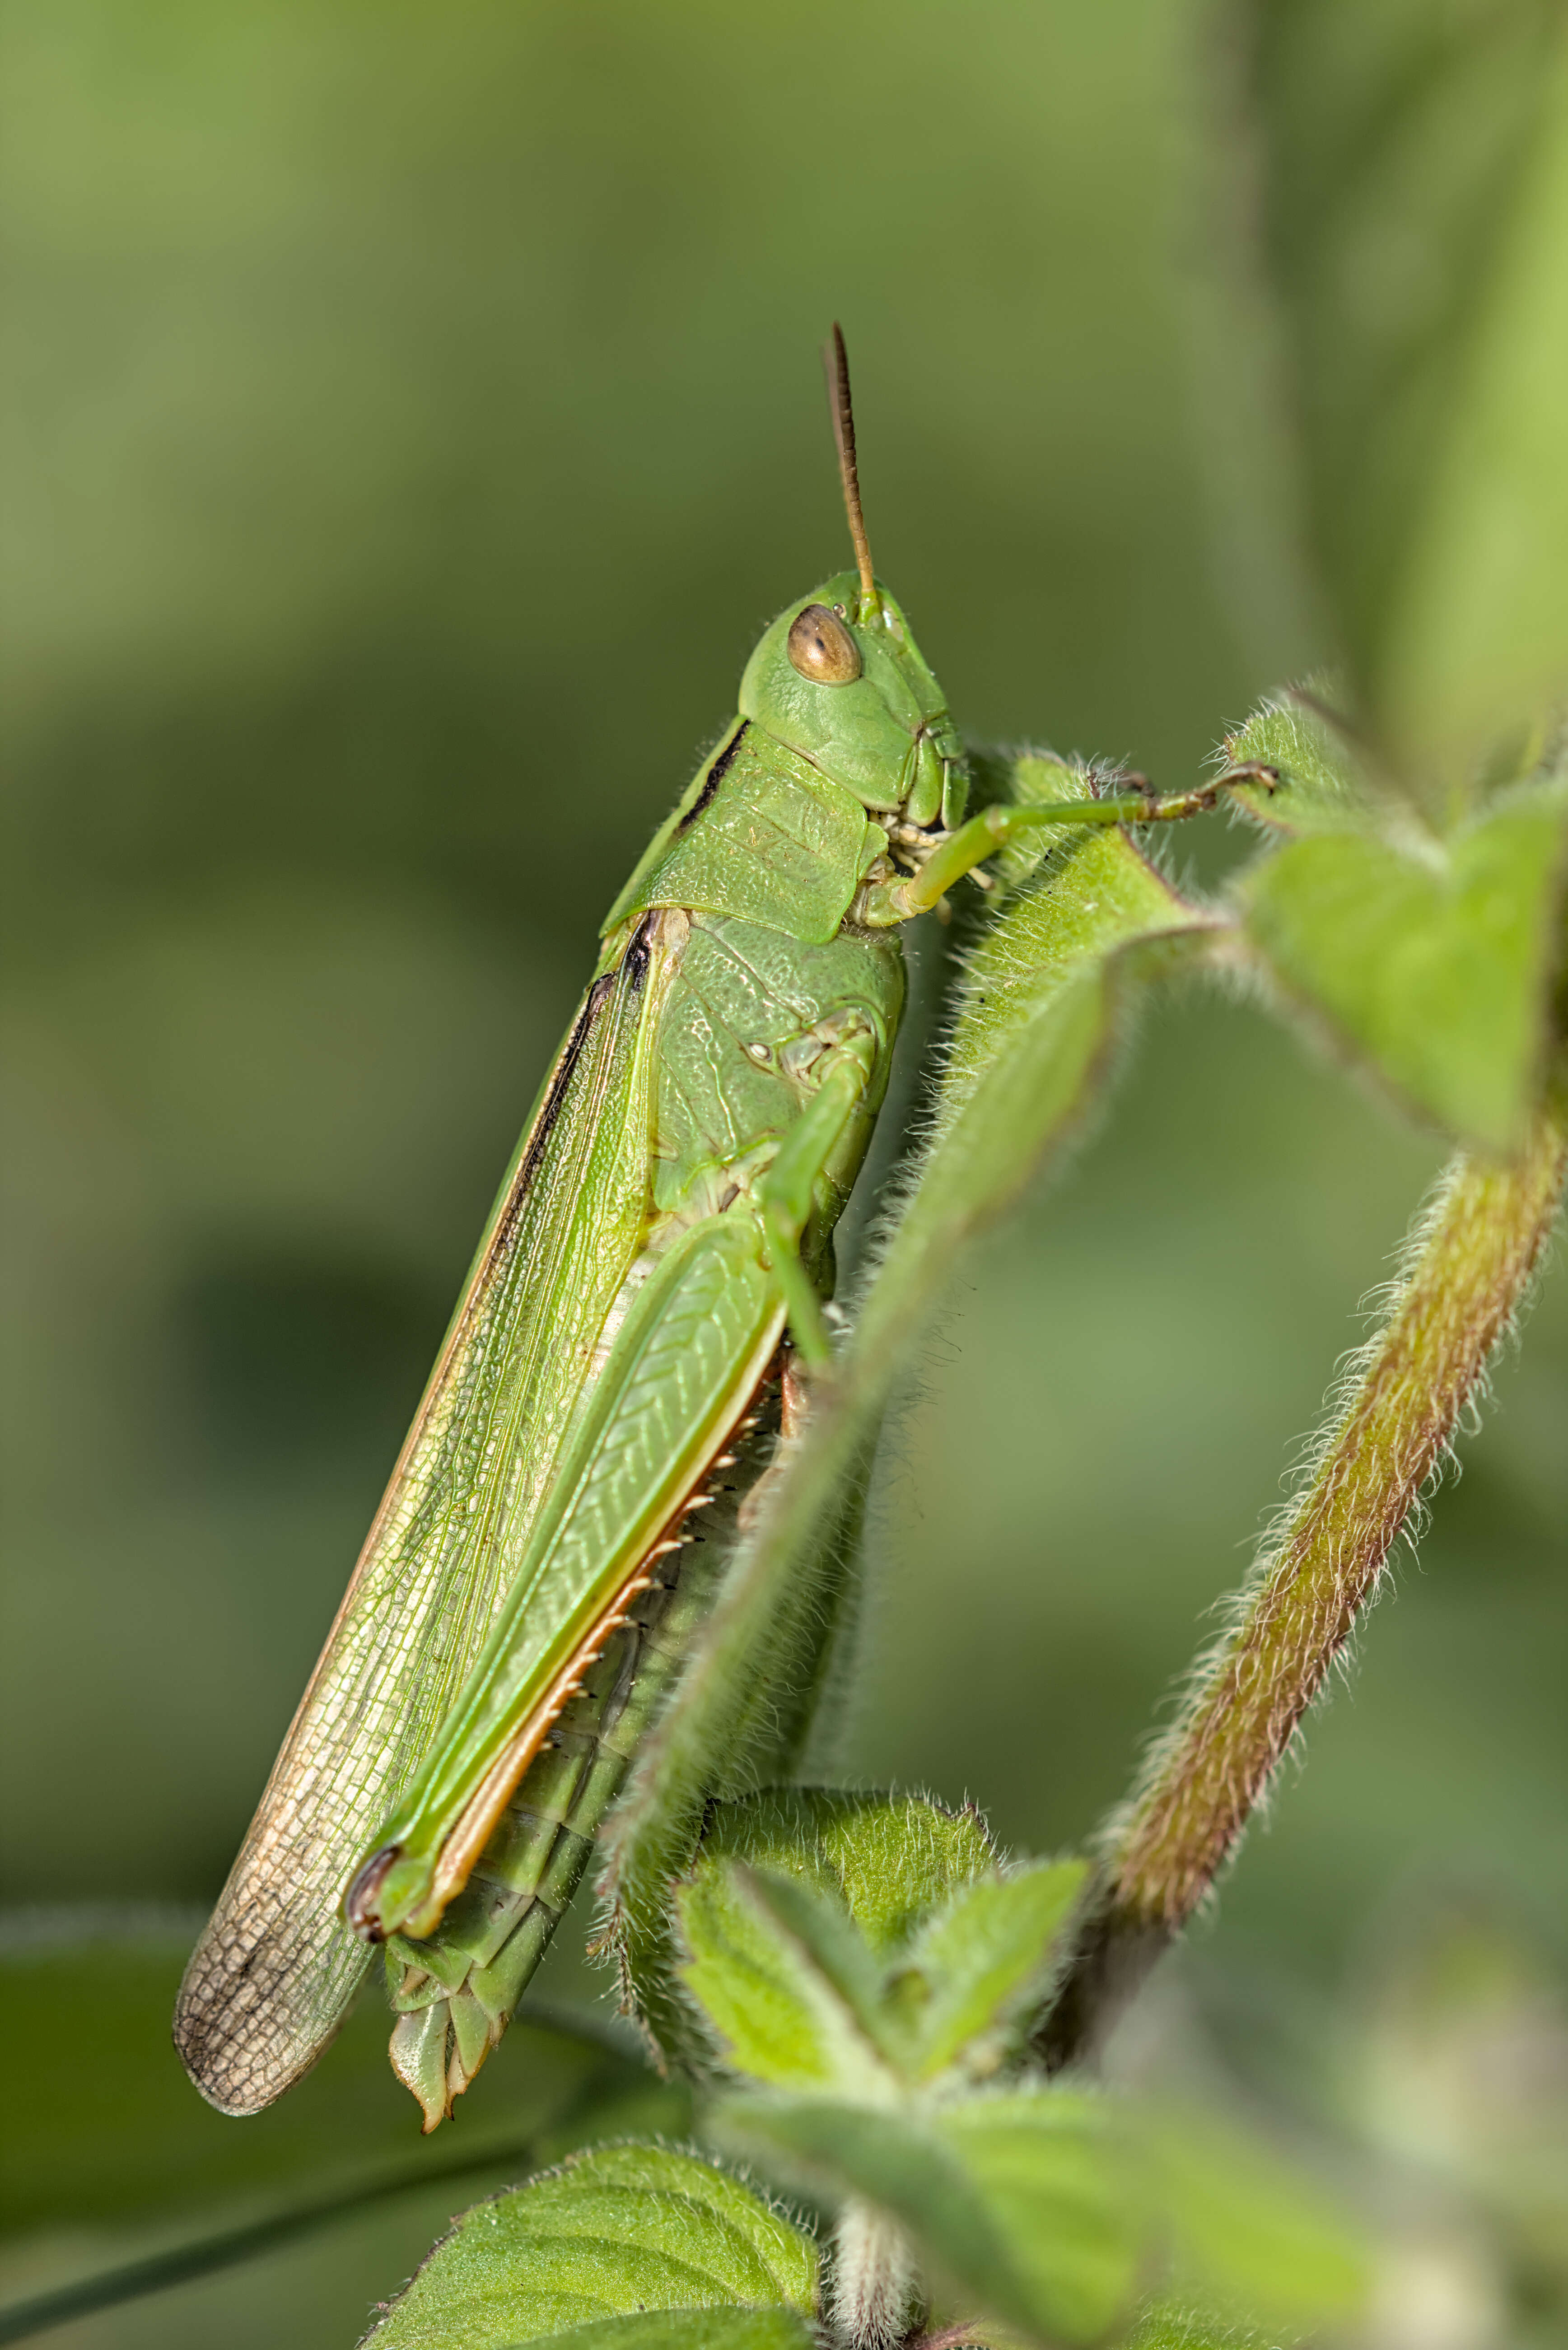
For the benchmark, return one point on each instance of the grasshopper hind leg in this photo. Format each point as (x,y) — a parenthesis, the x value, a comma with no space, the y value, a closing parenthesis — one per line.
(455,1992)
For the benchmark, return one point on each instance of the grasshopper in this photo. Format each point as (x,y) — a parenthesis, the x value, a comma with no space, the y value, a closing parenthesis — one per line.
(645,1307)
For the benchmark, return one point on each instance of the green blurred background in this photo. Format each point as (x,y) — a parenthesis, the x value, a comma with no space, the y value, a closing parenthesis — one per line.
(415,411)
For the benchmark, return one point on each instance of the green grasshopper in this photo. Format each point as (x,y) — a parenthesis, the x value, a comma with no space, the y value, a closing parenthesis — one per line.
(646,1306)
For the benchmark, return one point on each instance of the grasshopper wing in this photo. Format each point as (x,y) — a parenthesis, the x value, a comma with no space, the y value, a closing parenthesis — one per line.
(276,1968)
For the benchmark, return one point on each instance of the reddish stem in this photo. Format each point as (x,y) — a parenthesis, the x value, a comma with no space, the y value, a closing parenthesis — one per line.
(1468,1268)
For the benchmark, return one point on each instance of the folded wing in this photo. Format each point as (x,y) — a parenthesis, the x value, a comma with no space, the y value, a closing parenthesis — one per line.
(276,1968)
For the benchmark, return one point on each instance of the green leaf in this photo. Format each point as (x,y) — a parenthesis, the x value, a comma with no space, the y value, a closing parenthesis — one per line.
(1043,1009)
(1018,2203)
(983,1962)
(791,1986)
(1480,635)
(690,2329)
(1429,962)
(616,2233)
(1414,234)
(891,1859)
(801,1996)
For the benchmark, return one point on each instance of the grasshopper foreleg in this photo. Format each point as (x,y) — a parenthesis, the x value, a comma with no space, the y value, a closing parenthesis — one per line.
(993,828)
(786,1194)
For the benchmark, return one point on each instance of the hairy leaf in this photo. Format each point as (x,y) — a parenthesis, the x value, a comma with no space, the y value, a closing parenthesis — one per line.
(891,1859)
(613,2234)
(799,1997)
(1430,961)
(1169,2325)
(791,1986)
(1320,786)
(983,1962)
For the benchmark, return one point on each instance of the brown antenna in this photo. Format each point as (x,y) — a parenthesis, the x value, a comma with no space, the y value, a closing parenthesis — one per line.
(835,359)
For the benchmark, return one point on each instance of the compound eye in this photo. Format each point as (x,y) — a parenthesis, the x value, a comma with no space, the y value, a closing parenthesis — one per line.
(822,647)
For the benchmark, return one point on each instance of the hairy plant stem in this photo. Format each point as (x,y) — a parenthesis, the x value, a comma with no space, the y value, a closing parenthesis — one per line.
(1466,1270)
(873,2279)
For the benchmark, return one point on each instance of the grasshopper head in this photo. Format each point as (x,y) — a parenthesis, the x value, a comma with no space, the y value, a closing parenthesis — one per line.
(839,678)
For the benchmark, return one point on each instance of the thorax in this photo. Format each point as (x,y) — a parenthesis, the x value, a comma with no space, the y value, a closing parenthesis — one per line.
(750,1022)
